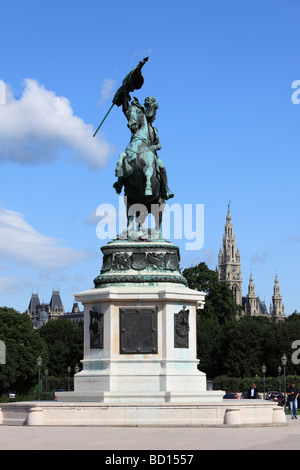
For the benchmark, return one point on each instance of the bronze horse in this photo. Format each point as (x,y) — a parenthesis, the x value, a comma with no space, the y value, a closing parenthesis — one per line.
(137,168)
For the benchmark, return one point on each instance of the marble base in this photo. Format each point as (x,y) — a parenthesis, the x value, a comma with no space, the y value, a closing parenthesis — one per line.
(228,413)
(111,376)
(140,332)
(140,399)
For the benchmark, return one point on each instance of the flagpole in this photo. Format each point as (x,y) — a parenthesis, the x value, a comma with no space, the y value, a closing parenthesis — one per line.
(103,119)
(133,81)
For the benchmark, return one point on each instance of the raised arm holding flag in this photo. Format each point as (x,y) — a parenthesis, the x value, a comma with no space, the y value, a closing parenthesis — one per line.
(133,81)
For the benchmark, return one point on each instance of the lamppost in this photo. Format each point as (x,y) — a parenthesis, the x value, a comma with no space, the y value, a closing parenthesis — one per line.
(39,362)
(46,372)
(284,362)
(69,378)
(77,369)
(263,369)
(279,378)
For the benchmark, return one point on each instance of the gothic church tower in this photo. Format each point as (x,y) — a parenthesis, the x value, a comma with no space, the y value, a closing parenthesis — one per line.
(252,306)
(277,307)
(230,261)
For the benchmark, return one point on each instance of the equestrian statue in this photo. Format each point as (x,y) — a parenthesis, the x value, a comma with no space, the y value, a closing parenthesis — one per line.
(139,169)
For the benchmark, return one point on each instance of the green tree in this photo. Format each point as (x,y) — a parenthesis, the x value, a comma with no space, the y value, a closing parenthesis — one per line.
(238,348)
(23,346)
(287,332)
(219,309)
(64,339)
(209,342)
(219,302)
(243,346)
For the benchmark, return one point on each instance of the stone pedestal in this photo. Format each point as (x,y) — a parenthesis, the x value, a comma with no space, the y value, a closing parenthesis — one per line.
(140,364)
(140,262)
(140,330)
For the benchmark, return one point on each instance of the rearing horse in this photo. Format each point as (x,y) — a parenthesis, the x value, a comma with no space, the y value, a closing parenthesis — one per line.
(138,167)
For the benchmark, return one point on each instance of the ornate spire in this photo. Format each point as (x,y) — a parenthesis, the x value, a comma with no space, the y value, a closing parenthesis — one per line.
(230,261)
(251,299)
(277,309)
(228,218)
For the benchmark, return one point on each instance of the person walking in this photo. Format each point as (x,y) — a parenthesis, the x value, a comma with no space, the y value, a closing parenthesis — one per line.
(253,393)
(292,394)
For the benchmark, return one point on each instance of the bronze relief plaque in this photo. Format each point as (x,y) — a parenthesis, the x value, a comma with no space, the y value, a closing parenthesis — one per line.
(138,330)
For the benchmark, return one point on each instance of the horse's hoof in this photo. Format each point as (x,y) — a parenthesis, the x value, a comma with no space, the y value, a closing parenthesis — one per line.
(169,195)
(117,187)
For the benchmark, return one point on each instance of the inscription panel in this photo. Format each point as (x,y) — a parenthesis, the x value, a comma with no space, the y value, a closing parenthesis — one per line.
(138,330)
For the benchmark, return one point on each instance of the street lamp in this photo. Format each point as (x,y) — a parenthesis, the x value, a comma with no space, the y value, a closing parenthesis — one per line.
(284,362)
(263,369)
(279,378)
(46,372)
(39,362)
(69,378)
(76,369)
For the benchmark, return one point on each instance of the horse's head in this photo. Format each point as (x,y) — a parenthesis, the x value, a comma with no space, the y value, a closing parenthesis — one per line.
(135,116)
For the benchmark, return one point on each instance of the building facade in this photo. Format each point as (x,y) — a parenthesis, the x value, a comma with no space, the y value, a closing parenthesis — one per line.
(229,271)
(40,313)
(252,305)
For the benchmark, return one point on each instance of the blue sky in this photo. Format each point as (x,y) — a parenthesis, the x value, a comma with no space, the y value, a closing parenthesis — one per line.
(222,73)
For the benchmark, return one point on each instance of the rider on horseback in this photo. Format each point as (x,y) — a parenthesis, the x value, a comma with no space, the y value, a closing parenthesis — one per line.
(150,107)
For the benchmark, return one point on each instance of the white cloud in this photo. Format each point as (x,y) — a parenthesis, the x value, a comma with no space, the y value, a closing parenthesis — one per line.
(260,257)
(12,285)
(107,90)
(22,245)
(294,238)
(39,125)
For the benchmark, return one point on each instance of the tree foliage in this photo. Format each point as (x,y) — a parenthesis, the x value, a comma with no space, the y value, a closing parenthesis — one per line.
(64,339)
(23,346)
(219,302)
(238,348)
(58,342)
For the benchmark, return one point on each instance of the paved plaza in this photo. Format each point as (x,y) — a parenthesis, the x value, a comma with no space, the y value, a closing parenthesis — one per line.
(148,438)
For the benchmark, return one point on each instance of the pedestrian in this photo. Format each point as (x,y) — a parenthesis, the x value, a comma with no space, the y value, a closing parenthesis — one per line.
(292,394)
(253,393)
